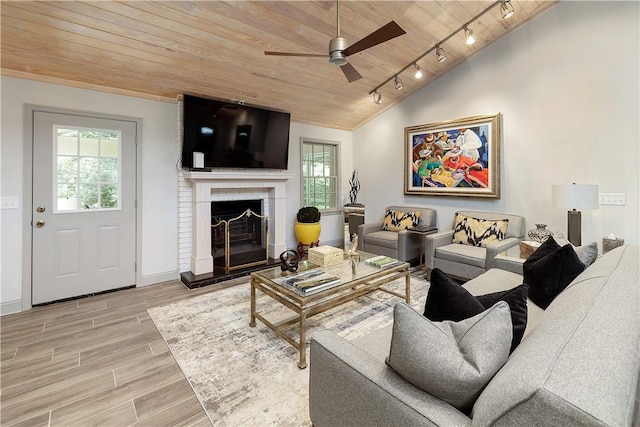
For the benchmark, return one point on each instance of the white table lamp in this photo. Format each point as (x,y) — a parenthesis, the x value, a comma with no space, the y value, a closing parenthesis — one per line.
(574,196)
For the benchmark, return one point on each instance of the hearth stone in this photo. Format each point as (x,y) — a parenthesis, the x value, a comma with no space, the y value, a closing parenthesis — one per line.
(193,281)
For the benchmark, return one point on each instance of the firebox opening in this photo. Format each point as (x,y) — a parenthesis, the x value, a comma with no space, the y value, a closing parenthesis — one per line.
(247,239)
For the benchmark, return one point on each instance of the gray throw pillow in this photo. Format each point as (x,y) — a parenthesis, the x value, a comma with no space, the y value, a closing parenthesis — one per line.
(587,254)
(453,361)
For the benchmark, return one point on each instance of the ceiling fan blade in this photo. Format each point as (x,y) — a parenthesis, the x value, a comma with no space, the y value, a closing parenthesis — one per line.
(350,73)
(319,55)
(381,35)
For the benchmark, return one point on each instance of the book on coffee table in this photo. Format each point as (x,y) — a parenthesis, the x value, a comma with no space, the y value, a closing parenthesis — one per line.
(382,261)
(312,281)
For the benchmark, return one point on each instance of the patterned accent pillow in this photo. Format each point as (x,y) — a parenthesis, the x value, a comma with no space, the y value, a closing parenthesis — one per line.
(478,232)
(398,221)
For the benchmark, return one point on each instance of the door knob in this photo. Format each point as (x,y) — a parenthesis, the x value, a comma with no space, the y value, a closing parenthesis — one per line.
(40,223)
(40,209)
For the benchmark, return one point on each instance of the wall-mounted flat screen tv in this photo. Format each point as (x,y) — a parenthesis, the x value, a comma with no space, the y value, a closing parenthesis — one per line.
(234,135)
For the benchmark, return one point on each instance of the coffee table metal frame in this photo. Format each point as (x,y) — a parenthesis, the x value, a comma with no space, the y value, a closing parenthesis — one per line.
(310,305)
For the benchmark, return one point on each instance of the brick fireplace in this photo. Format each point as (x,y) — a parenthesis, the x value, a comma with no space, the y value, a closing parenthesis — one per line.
(207,187)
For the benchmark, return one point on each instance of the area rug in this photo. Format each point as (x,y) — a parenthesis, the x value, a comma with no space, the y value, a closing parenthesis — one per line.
(249,376)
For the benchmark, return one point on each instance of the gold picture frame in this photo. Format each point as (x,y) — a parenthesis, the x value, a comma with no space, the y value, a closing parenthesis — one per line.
(459,158)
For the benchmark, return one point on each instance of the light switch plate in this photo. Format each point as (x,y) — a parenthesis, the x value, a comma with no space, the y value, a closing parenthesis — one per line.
(9,203)
(615,199)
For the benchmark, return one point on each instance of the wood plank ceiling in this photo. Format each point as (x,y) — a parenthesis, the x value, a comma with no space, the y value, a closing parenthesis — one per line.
(160,50)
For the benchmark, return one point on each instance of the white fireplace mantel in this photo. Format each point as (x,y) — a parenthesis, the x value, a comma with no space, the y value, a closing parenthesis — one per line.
(204,184)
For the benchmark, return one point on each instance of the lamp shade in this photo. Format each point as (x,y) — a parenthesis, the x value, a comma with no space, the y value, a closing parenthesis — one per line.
(575,196)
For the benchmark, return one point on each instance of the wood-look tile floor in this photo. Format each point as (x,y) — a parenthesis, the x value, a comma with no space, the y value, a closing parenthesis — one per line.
(96,361)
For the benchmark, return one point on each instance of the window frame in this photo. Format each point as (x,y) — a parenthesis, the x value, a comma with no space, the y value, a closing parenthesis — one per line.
(338,148)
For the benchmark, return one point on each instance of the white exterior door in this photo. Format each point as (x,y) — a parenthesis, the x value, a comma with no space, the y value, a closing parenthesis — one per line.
(84,201)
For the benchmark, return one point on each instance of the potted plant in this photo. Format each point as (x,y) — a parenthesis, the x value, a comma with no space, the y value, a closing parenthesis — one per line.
(308,225)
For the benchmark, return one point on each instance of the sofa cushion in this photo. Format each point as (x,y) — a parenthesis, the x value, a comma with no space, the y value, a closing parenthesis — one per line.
(450,360)
(478,232)
(397,220)
(447,300)
(385,239)
(549,269)
(465,254)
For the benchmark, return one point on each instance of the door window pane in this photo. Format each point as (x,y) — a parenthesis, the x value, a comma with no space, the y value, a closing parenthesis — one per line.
(109,170)
(87,170)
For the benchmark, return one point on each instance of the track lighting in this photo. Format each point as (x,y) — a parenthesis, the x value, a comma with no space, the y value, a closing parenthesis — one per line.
(418,74)
(397,83)
(506,8)
(377,97)
(468,36)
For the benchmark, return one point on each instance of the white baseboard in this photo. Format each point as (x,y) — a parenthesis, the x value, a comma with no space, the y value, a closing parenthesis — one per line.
(159,278)
(10,307)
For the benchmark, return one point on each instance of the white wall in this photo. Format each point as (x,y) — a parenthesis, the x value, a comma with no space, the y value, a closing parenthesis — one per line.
(567,84)
(158,200)
(333,223)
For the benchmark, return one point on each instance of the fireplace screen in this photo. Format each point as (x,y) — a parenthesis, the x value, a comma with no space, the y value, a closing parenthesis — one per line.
(240,242)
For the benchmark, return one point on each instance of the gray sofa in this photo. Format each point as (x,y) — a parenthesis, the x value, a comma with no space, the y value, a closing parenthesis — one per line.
(578,363)
(465,261)
(401,245)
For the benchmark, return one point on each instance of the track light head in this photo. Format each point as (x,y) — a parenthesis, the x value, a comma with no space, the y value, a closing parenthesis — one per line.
(468,36)
(440,55)
(397,83)
(506,8)
(377,97)
(418,74)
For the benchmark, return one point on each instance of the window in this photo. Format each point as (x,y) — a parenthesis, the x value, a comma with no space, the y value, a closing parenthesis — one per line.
(87,169)
(320,181)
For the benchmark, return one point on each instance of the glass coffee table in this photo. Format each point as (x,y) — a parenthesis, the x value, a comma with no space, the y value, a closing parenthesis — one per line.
(313,289)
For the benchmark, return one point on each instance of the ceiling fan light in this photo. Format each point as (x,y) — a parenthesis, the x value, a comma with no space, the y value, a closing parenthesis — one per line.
(377,97)
(397,83)
(418,73)
(507,9)
(440,55)
(468,36)
(337,58)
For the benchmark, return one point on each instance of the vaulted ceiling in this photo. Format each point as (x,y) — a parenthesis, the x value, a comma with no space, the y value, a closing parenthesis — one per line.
(159,50)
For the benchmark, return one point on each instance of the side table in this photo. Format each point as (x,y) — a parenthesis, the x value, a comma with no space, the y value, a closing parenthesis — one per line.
(527,247)
(422,231)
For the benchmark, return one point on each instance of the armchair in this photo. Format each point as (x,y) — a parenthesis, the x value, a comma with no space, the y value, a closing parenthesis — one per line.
(464,261)
(401,245)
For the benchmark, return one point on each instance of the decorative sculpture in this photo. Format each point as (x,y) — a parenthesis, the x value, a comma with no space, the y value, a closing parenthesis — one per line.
(352,253)
(355,187)
(289,261)
(353,249)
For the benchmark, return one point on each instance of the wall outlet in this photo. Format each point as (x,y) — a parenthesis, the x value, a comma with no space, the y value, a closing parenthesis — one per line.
(9,203)
(616,199)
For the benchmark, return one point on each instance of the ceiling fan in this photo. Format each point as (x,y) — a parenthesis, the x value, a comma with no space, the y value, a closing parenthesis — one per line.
(338,50)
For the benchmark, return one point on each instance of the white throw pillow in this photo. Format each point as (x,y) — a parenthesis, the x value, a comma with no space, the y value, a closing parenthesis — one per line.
(453,361)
